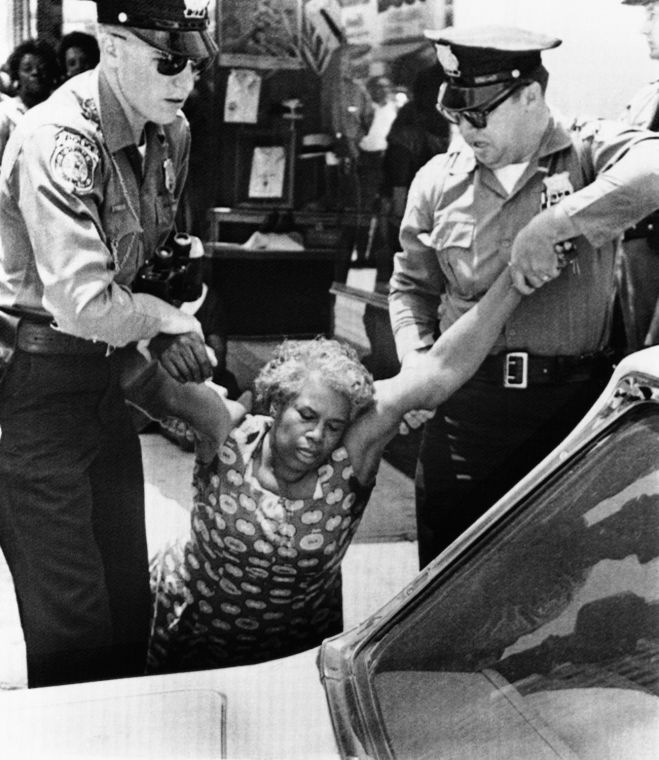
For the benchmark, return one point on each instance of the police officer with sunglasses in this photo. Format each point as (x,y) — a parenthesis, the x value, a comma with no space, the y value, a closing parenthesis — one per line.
(88,191)
(521,188)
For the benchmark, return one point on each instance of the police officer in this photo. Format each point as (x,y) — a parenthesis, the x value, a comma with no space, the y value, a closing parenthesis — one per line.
(519,189)
(639,280)
(89,186)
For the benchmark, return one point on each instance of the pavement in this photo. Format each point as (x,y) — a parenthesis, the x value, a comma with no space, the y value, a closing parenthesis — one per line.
(380,562)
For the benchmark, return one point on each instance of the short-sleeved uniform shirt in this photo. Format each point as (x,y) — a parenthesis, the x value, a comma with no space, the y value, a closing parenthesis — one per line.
(460,224)
(81,210)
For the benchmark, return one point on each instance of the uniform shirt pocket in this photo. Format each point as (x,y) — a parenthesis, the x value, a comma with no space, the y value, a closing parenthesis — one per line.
(453,239)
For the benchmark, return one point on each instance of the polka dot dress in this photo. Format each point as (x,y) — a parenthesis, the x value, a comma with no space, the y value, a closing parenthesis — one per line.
(260,576)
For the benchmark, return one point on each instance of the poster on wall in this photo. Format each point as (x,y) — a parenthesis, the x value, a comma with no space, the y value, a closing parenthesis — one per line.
(260,34)
(241,104)
(266,179)
(361,22)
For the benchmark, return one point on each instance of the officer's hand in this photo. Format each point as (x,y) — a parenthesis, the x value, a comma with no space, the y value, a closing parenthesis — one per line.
(186,357)
(534,260)
(414,419)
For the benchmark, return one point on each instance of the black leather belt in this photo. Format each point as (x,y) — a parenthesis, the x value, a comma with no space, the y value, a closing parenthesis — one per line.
(647,228)
(518,369)
(41,338)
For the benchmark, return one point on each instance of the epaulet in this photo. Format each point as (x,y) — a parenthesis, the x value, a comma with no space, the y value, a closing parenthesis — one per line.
(88,109)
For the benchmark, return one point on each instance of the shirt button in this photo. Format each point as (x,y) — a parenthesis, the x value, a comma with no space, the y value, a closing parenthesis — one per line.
(111,266)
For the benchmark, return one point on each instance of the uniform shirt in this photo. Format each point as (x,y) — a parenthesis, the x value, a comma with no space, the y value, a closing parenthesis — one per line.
(595,180)
(11,111)
(76,221)
(644,105)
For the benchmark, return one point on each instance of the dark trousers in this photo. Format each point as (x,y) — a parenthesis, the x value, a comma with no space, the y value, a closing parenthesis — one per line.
(480,443)
(638,291)
(72,518)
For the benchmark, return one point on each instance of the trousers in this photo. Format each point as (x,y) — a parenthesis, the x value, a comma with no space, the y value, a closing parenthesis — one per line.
(72,524)
(480,443)
(638,290)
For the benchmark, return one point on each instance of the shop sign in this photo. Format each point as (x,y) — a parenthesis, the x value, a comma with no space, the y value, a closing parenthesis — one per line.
(405,19)
(361,22)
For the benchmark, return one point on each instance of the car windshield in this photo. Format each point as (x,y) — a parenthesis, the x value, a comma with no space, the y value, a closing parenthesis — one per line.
(543,640)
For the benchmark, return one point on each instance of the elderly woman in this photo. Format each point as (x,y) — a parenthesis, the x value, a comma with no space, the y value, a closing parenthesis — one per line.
(34,73)
(278,497)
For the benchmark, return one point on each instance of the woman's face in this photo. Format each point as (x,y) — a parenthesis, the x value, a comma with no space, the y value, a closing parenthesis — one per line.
(75,61)
(311,426)
(34,84)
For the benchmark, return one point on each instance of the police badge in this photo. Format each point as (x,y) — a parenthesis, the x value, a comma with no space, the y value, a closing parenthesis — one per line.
(556,187)
(448,60)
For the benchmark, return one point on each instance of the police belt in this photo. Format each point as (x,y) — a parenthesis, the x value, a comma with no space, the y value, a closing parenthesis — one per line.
(518,369)
(40,338)
(647,228)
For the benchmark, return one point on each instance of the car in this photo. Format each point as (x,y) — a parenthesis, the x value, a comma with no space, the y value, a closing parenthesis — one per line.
(534,635)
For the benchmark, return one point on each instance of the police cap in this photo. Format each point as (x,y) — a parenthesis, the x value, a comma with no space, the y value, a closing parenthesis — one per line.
(483,62)
(178,27)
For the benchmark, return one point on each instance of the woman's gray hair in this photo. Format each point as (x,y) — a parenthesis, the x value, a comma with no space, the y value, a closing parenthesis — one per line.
(282,378)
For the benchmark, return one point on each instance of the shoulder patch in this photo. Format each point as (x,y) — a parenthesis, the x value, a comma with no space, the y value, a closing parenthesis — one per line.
(89,110)
(74,160)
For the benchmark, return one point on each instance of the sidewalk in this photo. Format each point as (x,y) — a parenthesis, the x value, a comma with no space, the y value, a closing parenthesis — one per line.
(381,560)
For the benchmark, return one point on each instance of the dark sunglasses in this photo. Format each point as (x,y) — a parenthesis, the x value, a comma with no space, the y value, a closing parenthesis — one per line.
(477,117)
(170,65)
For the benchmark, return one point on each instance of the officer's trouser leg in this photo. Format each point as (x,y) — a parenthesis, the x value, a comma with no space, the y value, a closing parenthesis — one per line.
(71,519)
(480,443)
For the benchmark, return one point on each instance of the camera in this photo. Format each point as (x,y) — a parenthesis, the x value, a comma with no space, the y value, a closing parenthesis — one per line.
(174,272)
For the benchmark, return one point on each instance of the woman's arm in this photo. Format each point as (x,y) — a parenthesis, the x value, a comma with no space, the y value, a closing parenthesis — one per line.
(150,388)
(433,377)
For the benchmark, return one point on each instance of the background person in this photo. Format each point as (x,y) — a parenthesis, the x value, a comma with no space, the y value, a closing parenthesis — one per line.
(418,133)
(277,499)
(515,187)
(34,74)
(77,52)
(88,189)
(639,273)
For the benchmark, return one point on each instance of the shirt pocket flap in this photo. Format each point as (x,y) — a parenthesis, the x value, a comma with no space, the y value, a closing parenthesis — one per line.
(453,231)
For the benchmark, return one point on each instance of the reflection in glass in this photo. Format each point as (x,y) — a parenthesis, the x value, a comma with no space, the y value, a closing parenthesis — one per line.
(546,642)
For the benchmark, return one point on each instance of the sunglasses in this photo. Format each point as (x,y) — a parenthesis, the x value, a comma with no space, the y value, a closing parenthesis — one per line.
(477,117)
(171,64)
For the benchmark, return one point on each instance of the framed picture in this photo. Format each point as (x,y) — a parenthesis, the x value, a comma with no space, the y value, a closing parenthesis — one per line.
(266,178)
(260,34)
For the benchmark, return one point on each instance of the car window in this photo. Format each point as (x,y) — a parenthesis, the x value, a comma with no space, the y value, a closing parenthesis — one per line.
(543,641)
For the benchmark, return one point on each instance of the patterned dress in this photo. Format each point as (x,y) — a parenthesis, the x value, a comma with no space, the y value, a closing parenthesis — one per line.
(260,575)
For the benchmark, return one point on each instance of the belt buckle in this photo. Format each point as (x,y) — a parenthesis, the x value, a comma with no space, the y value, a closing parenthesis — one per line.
(516,370)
